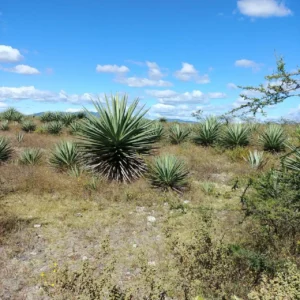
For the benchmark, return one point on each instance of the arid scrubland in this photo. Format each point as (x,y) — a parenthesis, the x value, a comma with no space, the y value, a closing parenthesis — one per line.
(231,231)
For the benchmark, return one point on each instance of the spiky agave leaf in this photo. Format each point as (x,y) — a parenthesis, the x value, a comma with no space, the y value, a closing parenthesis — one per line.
(112,142)
(68,118)
(75,127)
(5,149)
(11,114)
(20,137)
(291,161)
(54,127)
(28,126)
(65,156)
(157,130)
(273,139)
(47,117)
(4,126)
(208,132)
(168,172)
(178,134)
(30,156)
(235,135)
(255,159)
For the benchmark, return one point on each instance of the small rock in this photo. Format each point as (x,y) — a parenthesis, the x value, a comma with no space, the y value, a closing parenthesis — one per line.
(186,201)
(151,263)
(33,253)
(151,219)
(84,258)
(134,245)
(37,225)
(166,204)
(79,215)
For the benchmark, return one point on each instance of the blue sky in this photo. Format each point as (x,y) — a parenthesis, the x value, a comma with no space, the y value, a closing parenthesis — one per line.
(176,56)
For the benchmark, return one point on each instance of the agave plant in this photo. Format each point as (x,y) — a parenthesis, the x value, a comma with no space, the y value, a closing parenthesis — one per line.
(4,126)
(54,127)
(235,135)
(28,126)
(67,118)
(30,156)
(168,172)
(112,142)
(178,134)
(5,149)
(65,156)
(75,127)
(291,161)
(273,139)
(255,159)
(11,114)
(20,137)
(47,117)
(158,130)
(209,132)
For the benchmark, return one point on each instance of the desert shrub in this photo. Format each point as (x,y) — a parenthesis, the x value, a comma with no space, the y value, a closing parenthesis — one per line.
(178,134)
(237,154)
(209,188)
(54,127)
(162,120)
(168,172)
(80,115)
(291,161)
(28,126)
(65,156)
(158,130)
(285,285)
(5,149)
(11,114)
(255,159)
(4,125)
(273,138)
(47,117)
(235,135)
(113,142)
(20,137)
(68,118)
(75,127)
(31,156)
(208,132)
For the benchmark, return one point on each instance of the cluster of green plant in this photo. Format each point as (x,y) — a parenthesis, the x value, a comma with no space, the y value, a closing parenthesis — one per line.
(11,114)
(256,159)
(65,118)
(178,134)
(273,138)
(235,135)
(28,126)
(75,127)
(158,130)
(4,125)
(20,137)
(5,149)
(53,127)
(30,156)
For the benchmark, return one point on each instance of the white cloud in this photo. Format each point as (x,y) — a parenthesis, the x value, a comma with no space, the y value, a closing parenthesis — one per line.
(294,113)
(141,82)
(246,63)
(31,93)
(9,54)
(172,97)
(112,69)
(3,106)
(22,69)
(232,86)
(189,73)
(263,8)
(154,70)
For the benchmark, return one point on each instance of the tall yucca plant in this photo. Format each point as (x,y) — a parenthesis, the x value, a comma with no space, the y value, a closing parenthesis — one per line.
(5,149)
(273,139)
(208,132)
(65,156)
(168,172)
(178,134)
(113,142)
(235,135)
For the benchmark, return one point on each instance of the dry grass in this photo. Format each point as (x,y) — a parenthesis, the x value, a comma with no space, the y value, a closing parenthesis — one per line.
(77,216)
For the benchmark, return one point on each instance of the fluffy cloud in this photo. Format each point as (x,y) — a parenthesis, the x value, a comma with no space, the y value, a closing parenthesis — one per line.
(112,69)
(232,86)
(246,63)
(3,106)
(189,73)
(142,82)
(294,113)
(22,69)
(263,8)
(172,97)
(9,54)
(31,93)
(154,70)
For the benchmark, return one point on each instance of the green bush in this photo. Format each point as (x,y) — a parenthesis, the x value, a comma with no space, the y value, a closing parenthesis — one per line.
(30,156)
(273,139)
(11,114)
(4,126)
(28,126)
(178,134)
(235,135)
(65,156)
(67,118)
(158,130)
(54,127)
(208,132)
(47,117)
(168,172)
(5,149)
(112,142)
(255,159)
(75,127)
